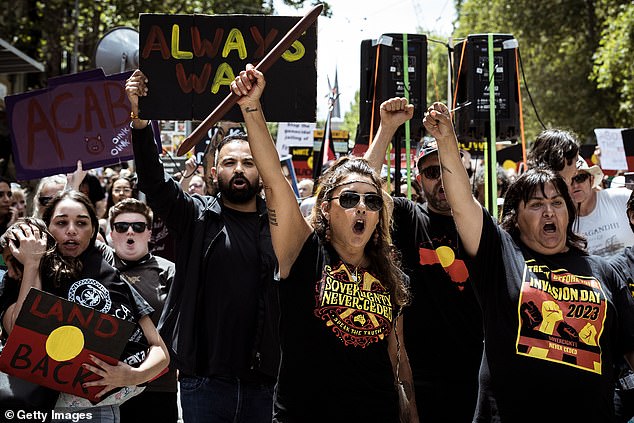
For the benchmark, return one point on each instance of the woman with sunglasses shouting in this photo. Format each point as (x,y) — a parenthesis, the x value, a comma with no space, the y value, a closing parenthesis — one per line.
(341,293)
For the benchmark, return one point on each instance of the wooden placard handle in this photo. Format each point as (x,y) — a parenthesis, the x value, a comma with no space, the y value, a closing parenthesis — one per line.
(265,64)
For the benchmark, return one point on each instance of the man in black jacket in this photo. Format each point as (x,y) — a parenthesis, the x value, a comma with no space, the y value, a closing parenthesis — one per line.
(220,318)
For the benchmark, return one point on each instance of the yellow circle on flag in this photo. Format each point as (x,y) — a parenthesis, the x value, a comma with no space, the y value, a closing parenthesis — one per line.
(65,343)
(445,255)
(509,164)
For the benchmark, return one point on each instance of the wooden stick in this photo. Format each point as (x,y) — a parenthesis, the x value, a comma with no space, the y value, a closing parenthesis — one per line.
(276,52)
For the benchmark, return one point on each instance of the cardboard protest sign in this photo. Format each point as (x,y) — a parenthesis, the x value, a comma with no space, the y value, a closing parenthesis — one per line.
(302,161)
(83,116)
(51,339)
(190,61)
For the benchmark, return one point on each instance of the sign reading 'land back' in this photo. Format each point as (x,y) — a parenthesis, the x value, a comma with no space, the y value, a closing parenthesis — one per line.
(53,337)
(190,61)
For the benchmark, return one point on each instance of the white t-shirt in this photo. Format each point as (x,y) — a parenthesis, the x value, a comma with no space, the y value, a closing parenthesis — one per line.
(607,228)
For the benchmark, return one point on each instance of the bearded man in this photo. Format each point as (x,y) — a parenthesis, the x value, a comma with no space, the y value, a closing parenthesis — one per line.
(220,317)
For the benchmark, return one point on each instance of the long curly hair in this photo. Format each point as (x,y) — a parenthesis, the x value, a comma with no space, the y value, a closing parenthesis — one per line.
(523,189)
(53,267)
(384,258)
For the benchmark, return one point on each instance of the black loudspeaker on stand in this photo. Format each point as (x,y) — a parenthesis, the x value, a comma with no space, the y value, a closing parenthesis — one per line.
(471,72)
(389,78)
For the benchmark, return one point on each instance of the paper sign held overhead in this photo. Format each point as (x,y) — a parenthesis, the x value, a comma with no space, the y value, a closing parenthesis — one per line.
(610,141)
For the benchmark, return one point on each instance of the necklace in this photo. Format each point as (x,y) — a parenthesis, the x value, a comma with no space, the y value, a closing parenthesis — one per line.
(355,275)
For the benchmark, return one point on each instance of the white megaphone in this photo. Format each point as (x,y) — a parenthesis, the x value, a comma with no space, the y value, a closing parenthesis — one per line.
(118,50)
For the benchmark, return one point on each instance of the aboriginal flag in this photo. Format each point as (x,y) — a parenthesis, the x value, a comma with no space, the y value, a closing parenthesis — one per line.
(53,337)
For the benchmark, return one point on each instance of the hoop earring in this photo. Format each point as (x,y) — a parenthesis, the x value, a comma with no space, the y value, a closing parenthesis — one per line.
(327,231)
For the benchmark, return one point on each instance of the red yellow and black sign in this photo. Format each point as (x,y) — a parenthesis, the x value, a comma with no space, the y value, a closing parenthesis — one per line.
(53,337)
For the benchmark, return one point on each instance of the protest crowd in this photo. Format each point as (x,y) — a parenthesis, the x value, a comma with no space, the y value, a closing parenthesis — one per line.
(248,297)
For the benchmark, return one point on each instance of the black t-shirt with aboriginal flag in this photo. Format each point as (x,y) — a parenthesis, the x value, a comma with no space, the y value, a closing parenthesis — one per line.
(335,323)
(443,324)
(554,325)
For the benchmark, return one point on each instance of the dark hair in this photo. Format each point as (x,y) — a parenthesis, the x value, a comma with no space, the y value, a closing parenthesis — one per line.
(53,266)
(383,256)
(630,209)
(131,205)
(553,148)
(523,189)
(133,187)
(229,139)
(78,197)
(503,180)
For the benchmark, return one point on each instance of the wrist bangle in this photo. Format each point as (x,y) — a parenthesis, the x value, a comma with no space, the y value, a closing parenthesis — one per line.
(133,115)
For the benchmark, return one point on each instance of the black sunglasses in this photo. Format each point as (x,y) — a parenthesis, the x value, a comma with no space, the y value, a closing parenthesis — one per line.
(431,172)
(580,178)
(350,199)
(122,227)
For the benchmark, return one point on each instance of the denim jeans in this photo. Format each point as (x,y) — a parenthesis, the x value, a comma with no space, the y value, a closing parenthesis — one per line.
(225,399)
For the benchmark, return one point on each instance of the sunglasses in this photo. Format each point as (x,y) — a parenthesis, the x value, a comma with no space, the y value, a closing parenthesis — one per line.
(350,199)
(431,172)
(44,200)
(580,178)
(122,227)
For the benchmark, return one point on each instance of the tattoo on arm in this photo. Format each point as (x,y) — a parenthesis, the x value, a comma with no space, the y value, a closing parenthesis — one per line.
(249,109)
(272,217)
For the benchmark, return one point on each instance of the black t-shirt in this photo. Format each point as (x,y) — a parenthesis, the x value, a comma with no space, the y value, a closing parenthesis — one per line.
(334,328)
(229,301)
(162,242)
(443,324)
(152,277)
(553,327)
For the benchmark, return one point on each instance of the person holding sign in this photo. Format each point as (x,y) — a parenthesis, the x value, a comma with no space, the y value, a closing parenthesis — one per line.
(78,272)
(341,293)
(221,316)
(555,318)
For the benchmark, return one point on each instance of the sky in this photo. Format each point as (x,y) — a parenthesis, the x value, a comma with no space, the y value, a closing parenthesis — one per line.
(339,37)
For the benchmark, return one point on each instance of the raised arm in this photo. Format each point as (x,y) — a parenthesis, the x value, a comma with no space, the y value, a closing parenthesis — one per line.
(394,112)
(466,211)
(289,229)
(163,194)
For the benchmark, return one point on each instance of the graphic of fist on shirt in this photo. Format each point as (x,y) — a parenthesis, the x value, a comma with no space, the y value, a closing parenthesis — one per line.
(550,318)
(551,315)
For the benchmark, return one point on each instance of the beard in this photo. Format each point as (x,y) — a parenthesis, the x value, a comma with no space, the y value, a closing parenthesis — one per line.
(437,204)
(238,195)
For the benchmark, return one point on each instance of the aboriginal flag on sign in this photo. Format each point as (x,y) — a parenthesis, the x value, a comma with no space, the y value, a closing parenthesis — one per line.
(53,337)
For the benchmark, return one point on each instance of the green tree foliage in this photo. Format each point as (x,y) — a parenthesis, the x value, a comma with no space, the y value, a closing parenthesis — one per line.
(437,68)
(613,68)
(567,50)
(47,29)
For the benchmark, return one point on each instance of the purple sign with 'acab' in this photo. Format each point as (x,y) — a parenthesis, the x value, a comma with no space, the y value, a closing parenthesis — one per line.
(83,116)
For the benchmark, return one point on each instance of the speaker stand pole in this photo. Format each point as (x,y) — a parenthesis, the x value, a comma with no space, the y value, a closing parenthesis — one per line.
(491,156)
